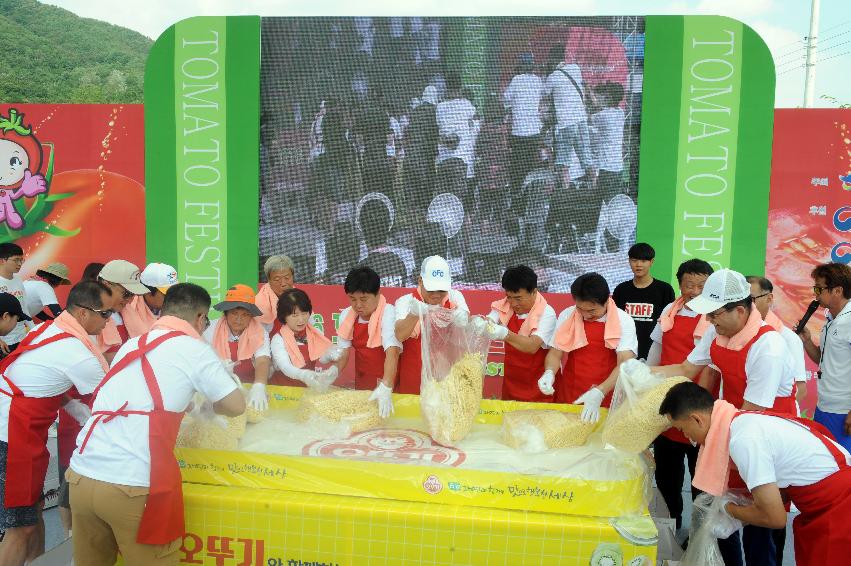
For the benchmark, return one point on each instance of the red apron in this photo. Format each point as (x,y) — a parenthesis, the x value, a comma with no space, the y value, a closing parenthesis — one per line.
(29,420)
(522,370)
(69,429)
(677,344)
(369,362)
(734,379)
(162,519)
(821,530)
(586,367)
(123,334)
(278,378)
(244,369)
(276,327)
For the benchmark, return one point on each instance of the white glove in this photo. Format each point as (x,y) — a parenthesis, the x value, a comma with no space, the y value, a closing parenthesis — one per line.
(326,377)
(417,308)
(257,399)
(79,410)
(460,318)
(306,376)
(332,354)
(497,331)
(382,394)
(723,524)
(545,383)
(479,325)
(591,399)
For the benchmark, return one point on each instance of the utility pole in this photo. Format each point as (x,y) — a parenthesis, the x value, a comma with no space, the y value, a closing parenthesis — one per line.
(810,81)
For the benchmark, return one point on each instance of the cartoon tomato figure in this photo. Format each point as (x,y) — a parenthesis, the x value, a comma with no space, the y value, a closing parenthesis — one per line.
(20,167)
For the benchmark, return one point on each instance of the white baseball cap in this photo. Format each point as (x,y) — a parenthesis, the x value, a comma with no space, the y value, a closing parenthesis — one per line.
(160,276)
(436,274)
(722,287)
(124,273)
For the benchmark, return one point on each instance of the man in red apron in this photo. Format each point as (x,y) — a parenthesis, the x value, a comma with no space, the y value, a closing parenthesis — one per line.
(239,338)
(677,332)
(597,337)
(367,329)
(779,457)
(525,323)
(52,358)
(125,483)
(755,367)
(434,287)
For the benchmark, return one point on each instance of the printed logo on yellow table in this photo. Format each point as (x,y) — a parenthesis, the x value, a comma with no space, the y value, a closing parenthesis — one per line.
(432,485)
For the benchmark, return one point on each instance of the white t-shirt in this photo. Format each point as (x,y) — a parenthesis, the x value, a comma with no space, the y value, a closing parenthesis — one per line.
(546,324)
(796,353)
(15,286)
(38,294)
(769,449)
(403,303)
(210,336)
(607,139)
(388,328)
(523,98)
(834,387)
(567,100)
(117,451)
(456,116)
(768,366)
(50,370)
(628,341)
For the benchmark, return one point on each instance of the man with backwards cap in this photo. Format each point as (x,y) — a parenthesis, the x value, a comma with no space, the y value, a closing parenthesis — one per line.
(755,366)
(239,337)
(434,287)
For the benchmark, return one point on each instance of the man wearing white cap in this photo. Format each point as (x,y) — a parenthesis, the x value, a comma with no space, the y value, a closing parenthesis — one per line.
(124,281)
(434,287)
(755,365)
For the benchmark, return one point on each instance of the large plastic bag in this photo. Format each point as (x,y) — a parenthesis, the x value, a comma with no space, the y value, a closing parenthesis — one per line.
(708,523)
(538,430)
(634,420)
(338,413)
(454,357)
(202,428)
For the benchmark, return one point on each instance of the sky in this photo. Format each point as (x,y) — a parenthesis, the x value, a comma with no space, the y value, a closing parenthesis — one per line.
(783,24)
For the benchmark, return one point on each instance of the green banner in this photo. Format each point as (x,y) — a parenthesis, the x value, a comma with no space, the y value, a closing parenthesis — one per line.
(706,124)
(202,121)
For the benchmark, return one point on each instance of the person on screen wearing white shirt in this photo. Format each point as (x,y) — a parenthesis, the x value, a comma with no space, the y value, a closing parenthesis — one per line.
(779,458)
(434,288)
(37,378)
(832,288)
(755,366)
(11,260)
(367,329)
(762,292)
(126,493)
(40,290)
(239,338)
(592,339)
(457,126)
(525,323)
(606,128)
(522,100)
(565,91)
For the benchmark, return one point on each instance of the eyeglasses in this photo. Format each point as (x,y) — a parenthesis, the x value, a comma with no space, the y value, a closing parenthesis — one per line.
(818,290)
(716,313)
(103,313)
(760,296)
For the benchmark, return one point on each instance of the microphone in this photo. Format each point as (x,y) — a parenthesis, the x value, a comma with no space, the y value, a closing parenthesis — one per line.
(806,318)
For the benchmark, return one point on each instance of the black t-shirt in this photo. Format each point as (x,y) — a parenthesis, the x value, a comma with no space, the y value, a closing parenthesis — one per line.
(644,306)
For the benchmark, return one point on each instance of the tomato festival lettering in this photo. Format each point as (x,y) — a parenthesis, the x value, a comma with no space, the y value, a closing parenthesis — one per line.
(201,152)
(706,165)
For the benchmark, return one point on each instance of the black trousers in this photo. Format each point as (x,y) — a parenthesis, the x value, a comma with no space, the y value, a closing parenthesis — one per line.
(671,471)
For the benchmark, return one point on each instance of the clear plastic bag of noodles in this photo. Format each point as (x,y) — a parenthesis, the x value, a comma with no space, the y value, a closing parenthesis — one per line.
(708,524)
(454,355)
(338,412)
(634,420)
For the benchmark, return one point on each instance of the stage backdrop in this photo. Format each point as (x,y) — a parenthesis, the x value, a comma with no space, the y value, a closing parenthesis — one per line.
(810,213)
(314,147)
(89,159)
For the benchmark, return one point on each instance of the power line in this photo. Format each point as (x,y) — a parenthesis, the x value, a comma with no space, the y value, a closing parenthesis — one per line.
(836,26)
(819,61)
